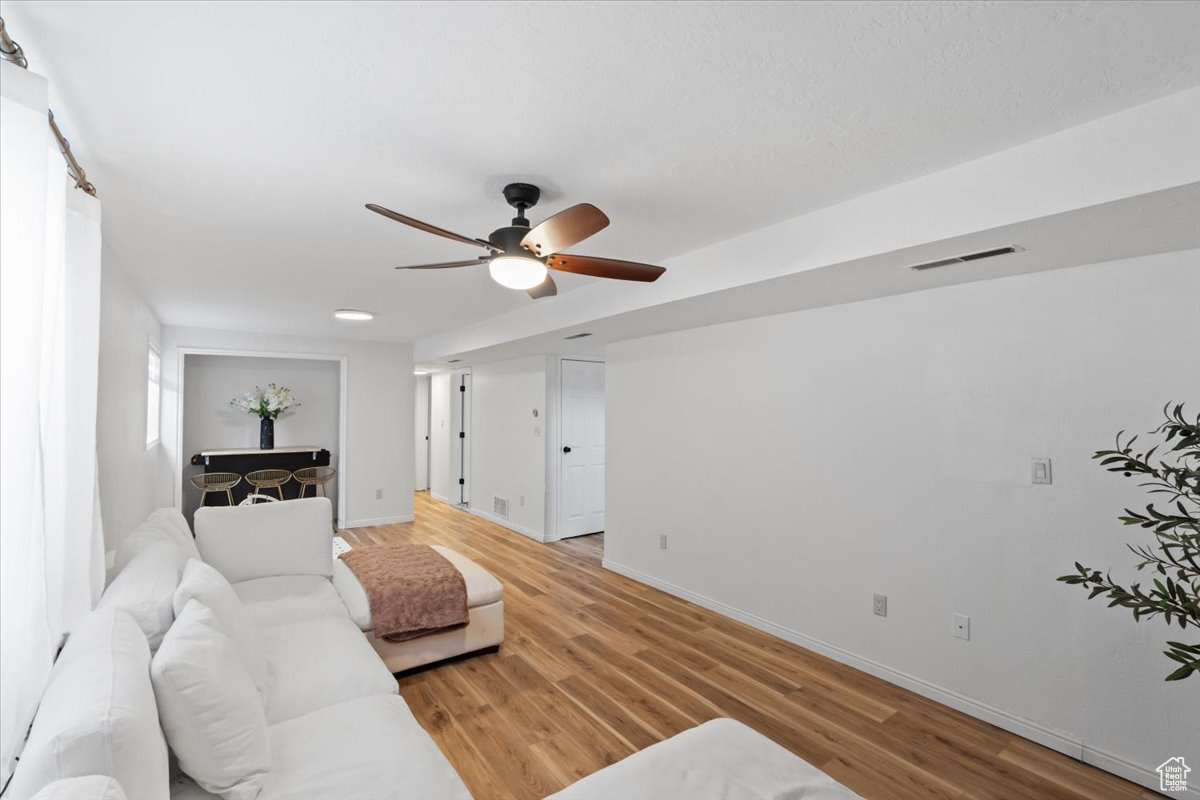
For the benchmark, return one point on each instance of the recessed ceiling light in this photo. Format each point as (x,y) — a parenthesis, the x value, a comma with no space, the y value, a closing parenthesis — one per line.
(354,314)
(577,336)
(419,372)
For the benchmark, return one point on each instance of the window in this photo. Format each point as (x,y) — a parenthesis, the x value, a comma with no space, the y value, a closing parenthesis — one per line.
(153,394)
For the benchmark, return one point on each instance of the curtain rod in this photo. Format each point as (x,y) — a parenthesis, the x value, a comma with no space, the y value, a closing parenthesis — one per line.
(11,51)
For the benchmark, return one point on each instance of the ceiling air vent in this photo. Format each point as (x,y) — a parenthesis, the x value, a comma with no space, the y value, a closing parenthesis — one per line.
(945,262)
(454,361)
(577,336)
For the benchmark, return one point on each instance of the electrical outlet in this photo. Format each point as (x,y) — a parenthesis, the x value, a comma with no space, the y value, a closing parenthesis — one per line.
(379,494)
(522,499)
(662,541)
(880,605)
(962,626)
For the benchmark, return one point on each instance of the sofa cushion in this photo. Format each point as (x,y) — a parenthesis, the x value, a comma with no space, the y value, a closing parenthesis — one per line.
(146,588)
(719,760)
(266,539)
(97,715)
(482,586)
(368,749)
(88,787)
(318,663)
(210,711)
(161,527)
(289,598)
(174,519)
(202,582)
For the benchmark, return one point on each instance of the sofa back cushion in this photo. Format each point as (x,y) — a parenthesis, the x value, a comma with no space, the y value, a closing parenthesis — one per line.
(146,589)
(267,539)
(202,582)
(166,525)
(210,711)
(98,715)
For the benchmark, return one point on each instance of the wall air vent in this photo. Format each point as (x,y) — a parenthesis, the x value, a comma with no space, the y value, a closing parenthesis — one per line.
(454,361)
(500,507)
(945,262)
(577,336)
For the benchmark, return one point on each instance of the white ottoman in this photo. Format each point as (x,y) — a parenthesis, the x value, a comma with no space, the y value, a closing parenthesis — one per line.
(719,760)
(485,617)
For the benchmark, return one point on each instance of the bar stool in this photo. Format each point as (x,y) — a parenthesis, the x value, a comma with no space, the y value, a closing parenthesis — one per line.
(268,479)
(216,482)
(316,477)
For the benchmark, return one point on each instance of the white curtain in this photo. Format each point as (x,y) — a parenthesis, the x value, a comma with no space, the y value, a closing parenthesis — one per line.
(51,544)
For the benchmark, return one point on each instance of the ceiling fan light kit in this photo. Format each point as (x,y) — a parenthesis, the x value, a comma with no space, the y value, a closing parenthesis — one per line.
(521,257)
(516,272)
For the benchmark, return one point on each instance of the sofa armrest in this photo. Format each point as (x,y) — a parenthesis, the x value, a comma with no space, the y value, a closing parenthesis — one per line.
(294,537)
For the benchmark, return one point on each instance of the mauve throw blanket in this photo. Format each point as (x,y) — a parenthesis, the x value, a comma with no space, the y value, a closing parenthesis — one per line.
(412,589)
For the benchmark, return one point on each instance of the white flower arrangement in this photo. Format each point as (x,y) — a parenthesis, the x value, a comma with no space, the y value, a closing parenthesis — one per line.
(266,403)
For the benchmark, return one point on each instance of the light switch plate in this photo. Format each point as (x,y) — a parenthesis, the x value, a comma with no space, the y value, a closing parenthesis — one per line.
(879,606)
(1040,471)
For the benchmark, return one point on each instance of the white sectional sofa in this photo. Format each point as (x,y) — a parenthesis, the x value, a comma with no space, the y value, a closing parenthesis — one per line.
(324,718)
(235,665)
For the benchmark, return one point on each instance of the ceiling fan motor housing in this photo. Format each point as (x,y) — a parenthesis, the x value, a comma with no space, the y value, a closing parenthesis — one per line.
(509,240)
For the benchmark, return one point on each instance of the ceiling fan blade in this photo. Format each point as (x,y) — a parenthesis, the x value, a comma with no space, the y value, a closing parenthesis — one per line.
(547,288)
(449,264)
(425,226)
(565,229)
(605,267)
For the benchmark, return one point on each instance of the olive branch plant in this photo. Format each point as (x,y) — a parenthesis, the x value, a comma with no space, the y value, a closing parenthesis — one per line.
(1174,556)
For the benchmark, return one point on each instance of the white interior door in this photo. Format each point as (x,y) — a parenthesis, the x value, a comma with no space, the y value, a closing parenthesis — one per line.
(421,432)
(581,480)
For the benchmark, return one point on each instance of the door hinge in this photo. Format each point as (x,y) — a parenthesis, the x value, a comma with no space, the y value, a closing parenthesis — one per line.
(462,434)
(462,481)
(462,388)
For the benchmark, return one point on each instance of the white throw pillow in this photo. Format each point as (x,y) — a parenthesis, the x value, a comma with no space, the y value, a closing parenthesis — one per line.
(88,787)
(203,583)
(145,588)
(210,711)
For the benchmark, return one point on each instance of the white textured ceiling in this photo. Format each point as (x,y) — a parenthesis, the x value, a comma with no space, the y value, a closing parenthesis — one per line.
(235,143)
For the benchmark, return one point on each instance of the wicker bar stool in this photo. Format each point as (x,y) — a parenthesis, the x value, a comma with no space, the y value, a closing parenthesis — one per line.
(216,482)
(316,477)
(268,479)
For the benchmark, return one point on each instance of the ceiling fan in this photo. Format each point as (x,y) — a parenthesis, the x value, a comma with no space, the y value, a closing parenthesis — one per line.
(521,256)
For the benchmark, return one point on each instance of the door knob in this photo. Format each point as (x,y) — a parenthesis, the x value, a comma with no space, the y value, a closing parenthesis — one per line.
(566,449)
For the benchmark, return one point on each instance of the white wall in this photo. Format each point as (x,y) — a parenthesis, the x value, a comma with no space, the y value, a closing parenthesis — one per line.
(802,462)
(211,423)
(439,437)
(377,454)
(134,479)
(421,432)
(508,453)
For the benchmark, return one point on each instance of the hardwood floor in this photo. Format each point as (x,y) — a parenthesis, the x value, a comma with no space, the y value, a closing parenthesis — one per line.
(595,666)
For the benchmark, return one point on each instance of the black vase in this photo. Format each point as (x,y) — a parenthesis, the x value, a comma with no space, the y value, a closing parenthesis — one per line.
(266,434)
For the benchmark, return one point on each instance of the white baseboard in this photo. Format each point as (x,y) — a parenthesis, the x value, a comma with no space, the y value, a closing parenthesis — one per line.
(504,523)
(438,497)
(366,523)
(1074,747)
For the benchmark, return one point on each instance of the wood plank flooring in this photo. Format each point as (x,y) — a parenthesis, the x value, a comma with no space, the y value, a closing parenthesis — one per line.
(595,666)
